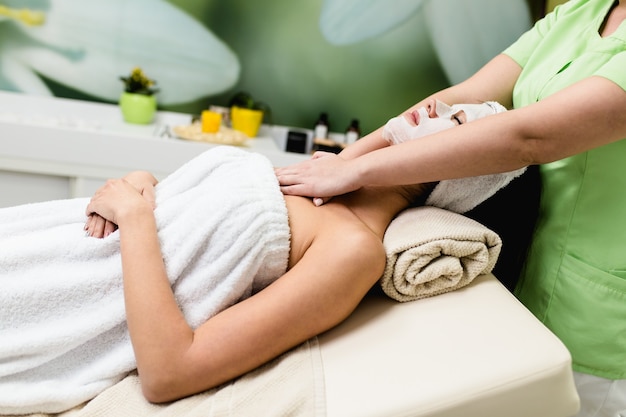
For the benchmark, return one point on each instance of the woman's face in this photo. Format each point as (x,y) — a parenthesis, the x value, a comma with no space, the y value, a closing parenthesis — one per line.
(435,110)
(437,116)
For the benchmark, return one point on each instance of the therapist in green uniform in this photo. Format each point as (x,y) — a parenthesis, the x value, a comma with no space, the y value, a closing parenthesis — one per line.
(565,80)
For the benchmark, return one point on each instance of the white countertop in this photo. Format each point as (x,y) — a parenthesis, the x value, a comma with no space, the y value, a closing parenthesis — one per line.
(79,138)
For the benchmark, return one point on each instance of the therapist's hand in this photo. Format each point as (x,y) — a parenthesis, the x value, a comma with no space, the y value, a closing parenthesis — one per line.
(323,176)
(318,201)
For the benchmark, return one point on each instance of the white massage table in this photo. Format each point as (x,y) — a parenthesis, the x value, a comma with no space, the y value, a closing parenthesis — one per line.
(474,352)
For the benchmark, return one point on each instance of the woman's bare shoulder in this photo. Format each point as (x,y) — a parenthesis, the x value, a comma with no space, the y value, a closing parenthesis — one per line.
(334,224)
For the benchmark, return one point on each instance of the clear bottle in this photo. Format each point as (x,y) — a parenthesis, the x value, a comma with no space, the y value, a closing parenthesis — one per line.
(353,132)
(321,127)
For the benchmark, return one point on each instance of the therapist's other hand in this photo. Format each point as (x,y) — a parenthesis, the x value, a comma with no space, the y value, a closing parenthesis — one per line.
(322,177)
(318,201)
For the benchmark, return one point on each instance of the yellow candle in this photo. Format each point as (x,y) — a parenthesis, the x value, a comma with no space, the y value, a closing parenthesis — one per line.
(211,121)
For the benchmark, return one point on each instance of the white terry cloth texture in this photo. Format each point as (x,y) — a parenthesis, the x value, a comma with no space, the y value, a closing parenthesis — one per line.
(431,251)
(224,233)
(460,194)
(463,194)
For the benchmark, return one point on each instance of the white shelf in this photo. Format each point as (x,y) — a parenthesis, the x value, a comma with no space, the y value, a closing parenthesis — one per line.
(87,143)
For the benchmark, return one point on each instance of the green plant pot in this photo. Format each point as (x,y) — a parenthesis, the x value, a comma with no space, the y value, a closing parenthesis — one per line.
(138,108)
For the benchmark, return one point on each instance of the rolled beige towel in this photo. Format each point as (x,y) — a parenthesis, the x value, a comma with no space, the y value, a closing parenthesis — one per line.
(431,251)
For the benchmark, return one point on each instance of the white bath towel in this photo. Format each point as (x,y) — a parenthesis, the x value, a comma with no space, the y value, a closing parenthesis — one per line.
(431,251)
(463,194)
(224,233)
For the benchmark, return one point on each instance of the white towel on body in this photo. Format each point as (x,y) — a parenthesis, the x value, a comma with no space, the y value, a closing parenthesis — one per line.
(224,233)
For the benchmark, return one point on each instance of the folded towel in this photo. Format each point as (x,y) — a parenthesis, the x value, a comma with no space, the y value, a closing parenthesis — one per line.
(223,227)
(431,251)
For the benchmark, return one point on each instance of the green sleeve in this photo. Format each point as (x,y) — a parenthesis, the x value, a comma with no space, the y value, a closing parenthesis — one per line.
(614,70)
(522,49)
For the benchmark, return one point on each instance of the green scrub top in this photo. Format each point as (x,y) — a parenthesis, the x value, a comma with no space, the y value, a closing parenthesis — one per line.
(575,276)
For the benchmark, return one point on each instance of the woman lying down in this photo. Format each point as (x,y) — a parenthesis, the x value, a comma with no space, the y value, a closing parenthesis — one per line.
(193,282)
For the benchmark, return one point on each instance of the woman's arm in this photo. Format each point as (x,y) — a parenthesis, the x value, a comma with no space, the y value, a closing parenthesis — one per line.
(585,115)
(174,360)
(581,117)
(319,292)
(493,82)
(157,327)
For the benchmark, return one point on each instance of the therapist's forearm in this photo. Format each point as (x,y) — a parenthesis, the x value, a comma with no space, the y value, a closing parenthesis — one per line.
(368,143)
(493,82)
(465,151)
(374,140)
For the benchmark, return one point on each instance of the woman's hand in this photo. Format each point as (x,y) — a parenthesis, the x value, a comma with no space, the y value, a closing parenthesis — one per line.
(99,225)
(323,176)
(144,182)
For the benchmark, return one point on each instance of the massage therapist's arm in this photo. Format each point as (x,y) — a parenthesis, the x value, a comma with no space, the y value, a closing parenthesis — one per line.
(494,81)
(539,133)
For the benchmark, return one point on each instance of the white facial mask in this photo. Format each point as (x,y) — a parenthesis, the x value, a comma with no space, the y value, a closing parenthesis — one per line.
(398,129)
(477,111)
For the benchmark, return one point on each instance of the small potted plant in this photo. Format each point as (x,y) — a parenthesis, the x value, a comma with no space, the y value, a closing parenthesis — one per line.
(137,102)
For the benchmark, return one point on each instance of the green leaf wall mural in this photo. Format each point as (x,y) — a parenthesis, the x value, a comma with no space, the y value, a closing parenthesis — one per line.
(365,59)
(88,44)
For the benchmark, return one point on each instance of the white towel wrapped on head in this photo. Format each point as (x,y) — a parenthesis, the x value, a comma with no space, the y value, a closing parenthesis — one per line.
(224,233)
